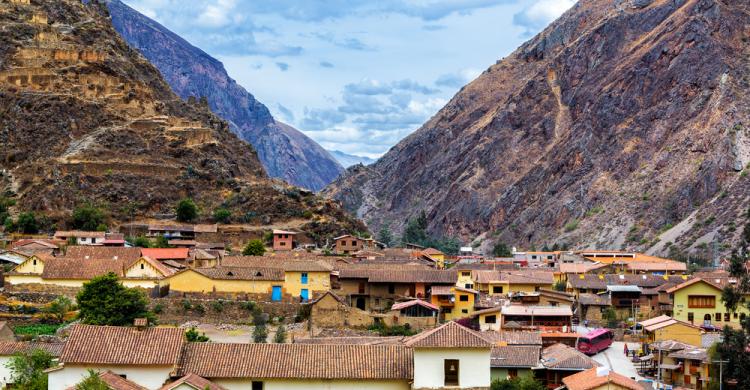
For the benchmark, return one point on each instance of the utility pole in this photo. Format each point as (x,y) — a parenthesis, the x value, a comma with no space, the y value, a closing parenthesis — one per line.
(721,373)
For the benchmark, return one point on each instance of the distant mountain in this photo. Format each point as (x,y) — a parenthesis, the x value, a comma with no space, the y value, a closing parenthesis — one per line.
(285,152)
(624,124)
(348,160)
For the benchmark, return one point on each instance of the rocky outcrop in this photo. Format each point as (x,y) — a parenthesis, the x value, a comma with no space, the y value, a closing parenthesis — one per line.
(624,124)
(284,151)
(84,118)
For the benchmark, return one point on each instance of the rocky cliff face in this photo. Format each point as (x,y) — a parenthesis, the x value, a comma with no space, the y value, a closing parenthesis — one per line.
(285,152)
(85,118)
(624,124)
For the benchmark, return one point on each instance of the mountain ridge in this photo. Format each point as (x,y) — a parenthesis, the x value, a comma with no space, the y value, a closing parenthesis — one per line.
(285,152)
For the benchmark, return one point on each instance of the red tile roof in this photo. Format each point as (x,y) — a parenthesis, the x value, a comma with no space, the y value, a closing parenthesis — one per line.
(80,268)
(515,356)
(128,255)
(591,379)
(166,253)
(116,382)
(194,381)
(449,335)
(8,348)
(123,346)
(239,273)
(563,357)
(294,264)
(404,305)
(299,361)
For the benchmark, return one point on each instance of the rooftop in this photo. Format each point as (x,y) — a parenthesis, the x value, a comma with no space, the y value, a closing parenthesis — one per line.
(239,273)
(449,335)
(165,253)
(537,311)
(563,357)
(515,356)
(600,376)
(123,345)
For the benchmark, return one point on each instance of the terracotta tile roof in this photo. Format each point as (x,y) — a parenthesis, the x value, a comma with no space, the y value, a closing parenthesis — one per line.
(161,267)
(194,381)
(670,345)
(354,340)
(515,356)
(432,251)
(116,382)
(514,338)
(123,345)
(591,379)
(183,242)
(80,268)
(667,265)
(667,323)
(165,253)
(286,264)
(526,276)
(240,273)
(594,299)
(414,276)
(277,231)
(171,228)
(563,357)
(299,361)
(128,255)
(8,348)
(718,283)
(40,242)
(600,282)
(449,335)
(329,292)
(655,320)
(580,268)
(404,305)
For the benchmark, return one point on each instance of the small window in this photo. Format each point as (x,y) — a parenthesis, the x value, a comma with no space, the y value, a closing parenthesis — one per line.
(304,278)
(451,372)
(468,285)
(726,317)
(512,373)
(391,289)
(742,316)
(354,243)
(282,243)
(463,298)
(142,267)
(34,261)
(533,257)
(465,273)
(735,315)
(690,317)
(717,317)
(497,289)
(490,319)
(257,385)
(465,311)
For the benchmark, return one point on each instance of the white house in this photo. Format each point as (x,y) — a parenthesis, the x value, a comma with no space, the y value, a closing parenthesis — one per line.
(9,348)
(81,237)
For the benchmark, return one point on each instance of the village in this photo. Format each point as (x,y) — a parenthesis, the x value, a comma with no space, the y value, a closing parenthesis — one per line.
(361,314)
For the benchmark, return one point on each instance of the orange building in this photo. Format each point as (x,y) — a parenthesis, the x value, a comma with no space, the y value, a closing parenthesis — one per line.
(283,240)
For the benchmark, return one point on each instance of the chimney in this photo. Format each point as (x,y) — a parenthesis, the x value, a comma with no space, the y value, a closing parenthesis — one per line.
(140,323)
(602,371)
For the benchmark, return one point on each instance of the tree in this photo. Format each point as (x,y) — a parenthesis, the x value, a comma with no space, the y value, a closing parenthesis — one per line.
(254,248)
(193,336)
(27,369)
(518,383)
(222,215)
(560,286)
(92,382)
(60,307)
(186,210)
(501,250)
(385,236)
(161,242)
(734,349)
(416,230)
(88,218)
(280,336)
(140,241)
(27,223)
(105,301)
(260,333)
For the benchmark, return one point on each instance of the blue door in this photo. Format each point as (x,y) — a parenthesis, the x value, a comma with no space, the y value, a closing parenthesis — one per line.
(304,278)
(276,294)
(304,294)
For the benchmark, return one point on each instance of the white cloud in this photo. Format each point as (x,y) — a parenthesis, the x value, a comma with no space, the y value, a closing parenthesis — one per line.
(539,14)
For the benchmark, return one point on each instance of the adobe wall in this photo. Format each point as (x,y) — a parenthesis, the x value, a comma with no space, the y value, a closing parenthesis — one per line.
(329,313)
(231,312)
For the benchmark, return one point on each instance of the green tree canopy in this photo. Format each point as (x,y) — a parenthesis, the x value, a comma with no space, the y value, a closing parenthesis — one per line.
(254,248)
(416,230)
(385,236)
(92,382)
(186,210)
(501,250)
(27,369)
(60,307)
(89,218)
(161,242)
(140,241)
(222,215)
(280,336)
(193,335)
(519,383)
(105,301)
(27,223)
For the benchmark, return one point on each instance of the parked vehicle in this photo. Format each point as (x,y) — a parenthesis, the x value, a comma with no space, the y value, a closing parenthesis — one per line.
(595,341)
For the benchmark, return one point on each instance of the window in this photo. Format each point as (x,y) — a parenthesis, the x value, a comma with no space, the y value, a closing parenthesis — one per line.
(451,372)
(257,385)
(467,274)
(533,257)
(448,310)
(361,288)
(742,316)
(490,319)
(469,285)
(726,317)
(354,243)
(463,298)
(497,289)
(391,289)
(553,304)
(465,311)
(735,315)
(513,372)
(717,317)
(701,301)
(282,243)
(34,261)
(690,317)
(142,266)
(304,278)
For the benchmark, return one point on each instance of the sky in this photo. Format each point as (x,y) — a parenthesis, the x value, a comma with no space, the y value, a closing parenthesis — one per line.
(355,75)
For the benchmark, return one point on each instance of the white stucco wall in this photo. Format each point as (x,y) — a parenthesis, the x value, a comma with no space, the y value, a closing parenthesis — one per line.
(473,367)
(5,373)
(151,377)
(293,384)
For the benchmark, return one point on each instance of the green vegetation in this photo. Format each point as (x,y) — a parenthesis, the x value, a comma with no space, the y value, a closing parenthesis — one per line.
(27,369)
(416,233)
(186,210)
(560,286)
(519,383)
(280,336)
(217,306)
(5,203)
(36,329)
(161,242)
(192,335)
(140,241)
(158,308)
(222,215)
(396,330)
(105,301)
(26,223)
(610,315)
(89,218)
(260,332)
(59,308)
(248,305)
(254,248)
(572,225)
(594,211)
(501,250)
(385,236)
(92,382)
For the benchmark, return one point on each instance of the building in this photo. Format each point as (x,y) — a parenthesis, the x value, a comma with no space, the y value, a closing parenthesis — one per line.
(81,237)
(302,277)
(172,232)
(179,255)
(417,313)
(698,301)
(33,246)
(552,318)
(237,280)
(347,244)
(600,378)
(283,240)
(666,328)
(560,361)
(454,302)
(512,361)
(692,368)
(592,307)
(507,282)
(10,348)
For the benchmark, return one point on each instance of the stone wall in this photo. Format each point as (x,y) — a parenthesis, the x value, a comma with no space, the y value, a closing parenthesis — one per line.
(217,311)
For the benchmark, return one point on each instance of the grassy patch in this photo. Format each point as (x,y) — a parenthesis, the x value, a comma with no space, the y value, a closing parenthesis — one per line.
(36,329)
(572,225)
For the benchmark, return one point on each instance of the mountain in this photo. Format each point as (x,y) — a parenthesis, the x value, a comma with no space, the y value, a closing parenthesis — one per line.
(86,119)
(348,160)
(624,124)
(285,152)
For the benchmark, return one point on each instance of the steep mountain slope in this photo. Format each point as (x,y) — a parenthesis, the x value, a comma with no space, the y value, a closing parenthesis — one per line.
(348,160)
(623,124)
(285,152)
(84,118)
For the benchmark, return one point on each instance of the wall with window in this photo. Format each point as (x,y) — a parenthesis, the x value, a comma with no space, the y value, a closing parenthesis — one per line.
(312,384)
(489,321)
(151,377)
(296,281)
(430,365)
(692,304)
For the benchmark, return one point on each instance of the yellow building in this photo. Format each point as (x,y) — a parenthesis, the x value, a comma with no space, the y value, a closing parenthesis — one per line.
(505,282)
(667,328)
(228,280)
(454,302)
(302,277)
(698,301)
(689,367)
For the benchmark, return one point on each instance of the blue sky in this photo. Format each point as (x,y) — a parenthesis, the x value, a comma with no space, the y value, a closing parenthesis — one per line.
(355,75)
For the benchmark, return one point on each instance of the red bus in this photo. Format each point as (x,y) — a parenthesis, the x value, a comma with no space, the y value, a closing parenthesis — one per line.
(595,341)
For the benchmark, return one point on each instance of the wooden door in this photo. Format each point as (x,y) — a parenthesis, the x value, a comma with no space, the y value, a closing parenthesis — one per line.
(451,372)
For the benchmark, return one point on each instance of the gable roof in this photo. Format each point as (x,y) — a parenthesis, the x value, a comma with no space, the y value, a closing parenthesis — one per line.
(165,253)
(331,293)
(417,302)
(351,340)
(48,244)
(591,379)
(90,344)
(449,335)
(431,252)
(717,283)
(80,268)
(514,338)
(655,320)
(513,277)
(587,299)
(385,273)
(563,357)
(515,356)
(667,323)
(128,255)
(194,381)
(299,361)
(538,311)
(8,348)
(299,264)
(116,382)
(600,282)
(158,265)
(79,234)
(238,273)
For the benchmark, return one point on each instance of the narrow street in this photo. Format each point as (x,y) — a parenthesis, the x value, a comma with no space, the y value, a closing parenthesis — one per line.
(614,358)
